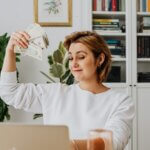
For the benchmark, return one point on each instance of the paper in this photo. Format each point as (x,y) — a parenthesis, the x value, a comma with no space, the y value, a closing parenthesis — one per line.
(37,43)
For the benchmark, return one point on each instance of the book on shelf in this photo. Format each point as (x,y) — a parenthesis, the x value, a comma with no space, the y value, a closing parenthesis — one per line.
(115,74)
(105,20)
(106,25)
(146,31)
(143,76)
(144,24)
(117,49)
(108,5)
(113,42)
(107,31)
(143,47)
(145,5)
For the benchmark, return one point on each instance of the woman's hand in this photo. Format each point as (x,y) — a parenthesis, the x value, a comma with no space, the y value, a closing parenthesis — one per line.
(72,145)
(20,38)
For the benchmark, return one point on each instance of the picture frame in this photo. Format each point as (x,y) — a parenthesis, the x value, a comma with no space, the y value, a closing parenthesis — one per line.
(53,12)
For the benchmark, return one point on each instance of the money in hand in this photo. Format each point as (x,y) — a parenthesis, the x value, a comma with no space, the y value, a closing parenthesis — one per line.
(37,43)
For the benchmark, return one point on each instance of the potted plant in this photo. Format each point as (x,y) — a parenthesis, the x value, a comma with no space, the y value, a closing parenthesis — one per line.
(59,69)
(4,112)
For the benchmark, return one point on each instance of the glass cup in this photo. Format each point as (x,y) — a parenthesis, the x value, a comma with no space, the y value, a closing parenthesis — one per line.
(99,139)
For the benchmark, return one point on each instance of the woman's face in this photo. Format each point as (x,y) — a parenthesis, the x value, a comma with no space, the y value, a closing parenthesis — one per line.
(82,62)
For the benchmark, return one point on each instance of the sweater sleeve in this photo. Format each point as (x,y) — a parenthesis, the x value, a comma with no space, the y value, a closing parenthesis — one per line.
(120,123)
(21,96)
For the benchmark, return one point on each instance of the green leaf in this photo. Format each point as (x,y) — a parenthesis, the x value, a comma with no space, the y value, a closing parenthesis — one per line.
(64,76)
(62,48)
(3,110)
(58,56)
(66,63)
(50,60)
(35,116)
(57,70)
(70,80)
(17,59)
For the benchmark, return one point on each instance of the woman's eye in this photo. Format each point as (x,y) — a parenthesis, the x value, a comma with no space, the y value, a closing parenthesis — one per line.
(81,57)
(70,58)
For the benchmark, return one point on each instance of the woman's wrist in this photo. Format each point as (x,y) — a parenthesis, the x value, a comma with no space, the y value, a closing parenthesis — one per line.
(75,145)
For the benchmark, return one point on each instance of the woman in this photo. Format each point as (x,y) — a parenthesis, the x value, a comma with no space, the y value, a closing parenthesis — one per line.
(83,106)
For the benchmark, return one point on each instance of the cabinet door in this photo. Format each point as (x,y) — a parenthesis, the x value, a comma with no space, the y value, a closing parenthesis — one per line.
(143,119)
(128,91)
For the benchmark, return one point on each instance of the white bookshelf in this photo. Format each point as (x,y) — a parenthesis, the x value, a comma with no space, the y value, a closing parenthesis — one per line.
(123,17)
(143,60)
(118,59)
(143,34)
(143,13)
(139,91)
(117,13)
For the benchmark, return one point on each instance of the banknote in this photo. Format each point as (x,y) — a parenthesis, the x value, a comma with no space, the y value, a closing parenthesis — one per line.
(37,43)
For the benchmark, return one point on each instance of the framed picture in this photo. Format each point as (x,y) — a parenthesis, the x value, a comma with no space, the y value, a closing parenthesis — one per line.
(53,12)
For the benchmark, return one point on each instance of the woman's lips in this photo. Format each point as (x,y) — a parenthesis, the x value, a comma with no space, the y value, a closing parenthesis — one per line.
(76,70)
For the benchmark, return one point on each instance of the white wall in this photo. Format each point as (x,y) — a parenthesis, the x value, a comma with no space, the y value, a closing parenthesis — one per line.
(17,15)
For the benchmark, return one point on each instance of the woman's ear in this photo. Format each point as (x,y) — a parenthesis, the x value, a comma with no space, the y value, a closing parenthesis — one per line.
(101,59)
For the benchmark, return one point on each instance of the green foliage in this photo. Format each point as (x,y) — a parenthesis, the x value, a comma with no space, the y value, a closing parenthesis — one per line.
(59,69)
(4,113)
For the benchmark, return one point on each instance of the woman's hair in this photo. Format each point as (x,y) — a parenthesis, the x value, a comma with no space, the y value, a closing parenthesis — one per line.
(97,45)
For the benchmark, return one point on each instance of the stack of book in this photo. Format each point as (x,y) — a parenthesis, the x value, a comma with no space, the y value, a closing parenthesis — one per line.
(108,5)
(143,76)
(145,24)
(115,74)
(143,47)
(116,48)
(144,5)
(106,25)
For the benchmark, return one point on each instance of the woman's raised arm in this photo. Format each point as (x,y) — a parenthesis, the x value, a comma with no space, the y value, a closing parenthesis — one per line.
(17,39)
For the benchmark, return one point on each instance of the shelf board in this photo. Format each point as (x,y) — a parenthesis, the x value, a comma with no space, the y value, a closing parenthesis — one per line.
(143,34)
(143,59)
(120,59)
(109,12)
(143,84)
(143,13)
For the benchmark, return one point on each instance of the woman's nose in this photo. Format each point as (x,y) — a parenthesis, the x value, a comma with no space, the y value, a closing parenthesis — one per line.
(75,63)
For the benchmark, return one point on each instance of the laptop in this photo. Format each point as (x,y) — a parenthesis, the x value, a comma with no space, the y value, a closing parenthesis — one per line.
(34,137)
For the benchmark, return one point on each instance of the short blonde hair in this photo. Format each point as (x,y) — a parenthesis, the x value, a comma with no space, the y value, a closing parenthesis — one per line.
(97,45)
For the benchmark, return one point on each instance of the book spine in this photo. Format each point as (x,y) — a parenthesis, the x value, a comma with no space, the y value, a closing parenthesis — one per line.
(117,5)
(123,3)
(138,47)
(148,5)
(114,5)
(94,5)
(106,5)
(106,20)
(110,5)
(103,5)
(99,5)
(144,5)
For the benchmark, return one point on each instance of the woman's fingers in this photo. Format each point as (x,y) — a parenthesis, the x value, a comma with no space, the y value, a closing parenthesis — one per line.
(21,38)
(26,35)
